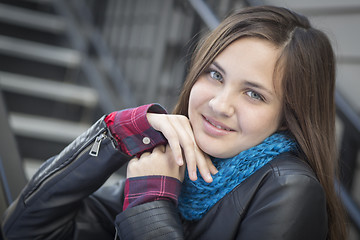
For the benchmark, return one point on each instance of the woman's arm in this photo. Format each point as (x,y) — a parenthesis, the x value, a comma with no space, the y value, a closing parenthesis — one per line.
(154,219)
(56,204)
(50,202)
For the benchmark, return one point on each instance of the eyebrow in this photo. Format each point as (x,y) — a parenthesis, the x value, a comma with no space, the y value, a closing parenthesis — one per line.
(219,67)
(246,82)
(258,86)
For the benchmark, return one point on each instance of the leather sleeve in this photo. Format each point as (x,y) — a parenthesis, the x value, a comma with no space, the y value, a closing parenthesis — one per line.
(55,204)
(288,206)
(153,220)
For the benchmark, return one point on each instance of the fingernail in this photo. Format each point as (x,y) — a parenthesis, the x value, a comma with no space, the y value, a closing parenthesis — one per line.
(193,175)
(180,161)
(208,176)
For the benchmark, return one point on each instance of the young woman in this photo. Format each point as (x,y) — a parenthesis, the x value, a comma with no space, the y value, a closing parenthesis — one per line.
(255,118)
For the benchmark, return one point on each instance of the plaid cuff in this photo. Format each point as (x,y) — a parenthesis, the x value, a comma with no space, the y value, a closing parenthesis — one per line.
(140,190)
(132,130)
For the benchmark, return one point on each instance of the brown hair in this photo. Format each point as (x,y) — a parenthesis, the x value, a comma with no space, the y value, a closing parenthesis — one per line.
(306,67)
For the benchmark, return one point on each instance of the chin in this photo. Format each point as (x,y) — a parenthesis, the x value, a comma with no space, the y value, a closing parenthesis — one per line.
(212,148)
(214,152)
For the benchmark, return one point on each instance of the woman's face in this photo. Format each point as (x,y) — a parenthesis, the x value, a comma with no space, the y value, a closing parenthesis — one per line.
(233,106)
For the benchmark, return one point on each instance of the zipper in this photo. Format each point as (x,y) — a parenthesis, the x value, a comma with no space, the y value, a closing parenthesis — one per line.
(94,151)
(48,176)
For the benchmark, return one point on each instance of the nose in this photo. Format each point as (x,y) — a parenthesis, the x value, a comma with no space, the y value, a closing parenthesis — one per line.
(222,103)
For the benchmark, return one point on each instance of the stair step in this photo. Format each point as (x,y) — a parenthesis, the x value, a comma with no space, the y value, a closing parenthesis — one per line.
(39,52)
(44,128)
(64,92)
(32,19)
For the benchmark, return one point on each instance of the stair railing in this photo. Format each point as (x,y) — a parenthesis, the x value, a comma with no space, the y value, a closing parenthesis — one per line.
(110,100)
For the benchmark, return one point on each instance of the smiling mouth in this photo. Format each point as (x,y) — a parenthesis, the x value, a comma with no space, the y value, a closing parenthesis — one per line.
(217,126)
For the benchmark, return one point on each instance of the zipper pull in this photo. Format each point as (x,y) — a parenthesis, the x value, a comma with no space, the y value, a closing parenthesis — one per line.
(116,233)
(94,151)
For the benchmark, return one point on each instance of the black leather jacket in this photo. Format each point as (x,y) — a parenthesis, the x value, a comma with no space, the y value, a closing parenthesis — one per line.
(282,200)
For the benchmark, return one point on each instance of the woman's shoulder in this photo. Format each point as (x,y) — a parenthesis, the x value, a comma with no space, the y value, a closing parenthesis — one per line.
(290,164)
(287,188)
(286,175)
(288,172)
(285,166)
(290,182)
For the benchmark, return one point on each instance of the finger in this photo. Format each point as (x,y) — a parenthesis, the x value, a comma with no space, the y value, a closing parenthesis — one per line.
(212,168)
(172,137)
(132,163)
(189,148)
(185,138)
(172,164)
(191,168)
(203,167)
(170,157)
(176,151)
(198,160)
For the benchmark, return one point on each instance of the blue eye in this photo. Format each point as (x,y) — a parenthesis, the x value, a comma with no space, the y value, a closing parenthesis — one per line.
(255,95)
(216,75)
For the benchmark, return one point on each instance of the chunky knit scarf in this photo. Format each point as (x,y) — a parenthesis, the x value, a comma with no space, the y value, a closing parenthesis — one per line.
(197,197)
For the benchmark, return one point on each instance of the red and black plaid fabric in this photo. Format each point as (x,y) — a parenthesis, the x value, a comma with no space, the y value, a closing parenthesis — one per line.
(130,126)
(145,189)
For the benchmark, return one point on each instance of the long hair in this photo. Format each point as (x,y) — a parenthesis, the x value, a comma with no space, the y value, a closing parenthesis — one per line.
(305,71)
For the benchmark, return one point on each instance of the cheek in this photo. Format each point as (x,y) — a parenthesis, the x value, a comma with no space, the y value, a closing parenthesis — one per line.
(198,94)
(258,121)
(192,102)
(272,120)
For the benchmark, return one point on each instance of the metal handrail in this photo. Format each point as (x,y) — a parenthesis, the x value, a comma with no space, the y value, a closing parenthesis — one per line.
(350,205)
(5,183)
(348,115)
(107,104)
(108,99)
(205,13)
(104,54)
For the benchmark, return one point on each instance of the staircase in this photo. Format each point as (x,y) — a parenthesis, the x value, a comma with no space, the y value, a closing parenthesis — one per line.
(45,88)
(57,75)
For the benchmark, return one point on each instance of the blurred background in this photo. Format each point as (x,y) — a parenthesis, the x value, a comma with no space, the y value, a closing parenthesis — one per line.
(65,63)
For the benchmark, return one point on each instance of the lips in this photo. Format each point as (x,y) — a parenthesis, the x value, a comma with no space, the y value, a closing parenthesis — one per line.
(217,124)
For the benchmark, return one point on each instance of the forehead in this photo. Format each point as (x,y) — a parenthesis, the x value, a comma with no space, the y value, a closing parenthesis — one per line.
(257,50)
(250,59)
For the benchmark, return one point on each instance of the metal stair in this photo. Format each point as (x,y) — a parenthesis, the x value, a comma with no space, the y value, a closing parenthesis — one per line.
(48,101)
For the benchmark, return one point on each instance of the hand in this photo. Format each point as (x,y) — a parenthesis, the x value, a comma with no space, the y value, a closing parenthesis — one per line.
(159,162)
(177,130)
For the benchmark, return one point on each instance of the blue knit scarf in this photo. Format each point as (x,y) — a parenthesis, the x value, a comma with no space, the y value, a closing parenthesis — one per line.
(197,197)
